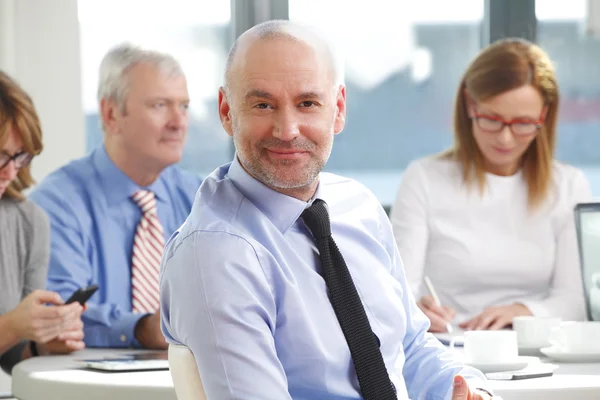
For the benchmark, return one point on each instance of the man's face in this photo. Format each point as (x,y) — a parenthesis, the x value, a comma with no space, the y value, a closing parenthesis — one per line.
(153,126)
(283,112)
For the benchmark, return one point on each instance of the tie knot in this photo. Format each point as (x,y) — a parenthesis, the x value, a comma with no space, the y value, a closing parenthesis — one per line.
(145,200)
(316,218)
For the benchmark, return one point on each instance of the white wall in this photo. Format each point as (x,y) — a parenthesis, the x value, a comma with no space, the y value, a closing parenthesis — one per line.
(39,47)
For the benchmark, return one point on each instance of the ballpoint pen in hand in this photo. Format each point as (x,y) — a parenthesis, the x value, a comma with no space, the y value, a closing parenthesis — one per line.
(436,299)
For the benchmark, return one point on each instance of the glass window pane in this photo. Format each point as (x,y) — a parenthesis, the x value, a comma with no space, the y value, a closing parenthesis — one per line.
(404,60)
(196,32)
(576,56)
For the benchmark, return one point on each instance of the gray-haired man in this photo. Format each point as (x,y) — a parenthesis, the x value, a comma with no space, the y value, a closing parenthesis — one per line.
(111,211)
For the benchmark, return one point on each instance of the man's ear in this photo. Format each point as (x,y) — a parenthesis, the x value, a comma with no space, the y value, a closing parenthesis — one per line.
(225,111)
(109,111)
(340,115)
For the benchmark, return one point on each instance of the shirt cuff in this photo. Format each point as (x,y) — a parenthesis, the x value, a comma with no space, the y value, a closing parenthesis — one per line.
(123,331)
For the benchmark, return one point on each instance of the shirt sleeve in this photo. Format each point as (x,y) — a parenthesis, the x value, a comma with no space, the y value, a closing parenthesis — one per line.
(36,268)
(566,299)
(429,367)
(217,300)
(409,222)
(105,324)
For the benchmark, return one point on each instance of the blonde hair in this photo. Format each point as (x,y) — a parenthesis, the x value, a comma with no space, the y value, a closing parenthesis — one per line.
(17,113)
(506,65)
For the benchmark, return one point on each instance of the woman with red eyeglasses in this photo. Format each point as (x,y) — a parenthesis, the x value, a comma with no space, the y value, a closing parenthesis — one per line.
(27,326)
(490,221)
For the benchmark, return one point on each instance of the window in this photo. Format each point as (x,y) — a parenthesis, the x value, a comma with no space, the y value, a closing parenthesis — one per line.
(576,55)
(196,32)
(404,60)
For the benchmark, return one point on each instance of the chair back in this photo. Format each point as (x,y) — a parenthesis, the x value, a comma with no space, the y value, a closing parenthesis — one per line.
(184,371)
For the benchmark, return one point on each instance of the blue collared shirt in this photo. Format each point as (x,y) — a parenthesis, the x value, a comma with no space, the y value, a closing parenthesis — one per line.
(241,287)
(93,223)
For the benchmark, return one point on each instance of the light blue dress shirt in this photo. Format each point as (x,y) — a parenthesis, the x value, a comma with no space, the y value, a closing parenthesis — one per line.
(93,222)
(241,287)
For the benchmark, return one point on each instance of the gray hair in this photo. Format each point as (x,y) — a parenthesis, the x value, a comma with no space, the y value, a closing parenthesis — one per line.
(113,83)
(276,29)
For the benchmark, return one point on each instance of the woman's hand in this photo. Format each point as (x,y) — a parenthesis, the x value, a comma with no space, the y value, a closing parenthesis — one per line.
(33,320)
(493,318)
(69,340)
(439,316)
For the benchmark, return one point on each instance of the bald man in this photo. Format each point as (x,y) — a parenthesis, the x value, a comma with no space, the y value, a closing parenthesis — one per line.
(285,282)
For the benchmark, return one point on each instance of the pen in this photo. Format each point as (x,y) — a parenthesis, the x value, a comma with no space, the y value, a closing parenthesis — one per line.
(436,299)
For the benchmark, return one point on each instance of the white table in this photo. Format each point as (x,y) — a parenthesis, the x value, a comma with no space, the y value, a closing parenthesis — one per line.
(570,381)
(61,378)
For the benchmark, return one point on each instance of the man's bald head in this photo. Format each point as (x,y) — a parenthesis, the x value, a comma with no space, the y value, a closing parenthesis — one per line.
(280,29)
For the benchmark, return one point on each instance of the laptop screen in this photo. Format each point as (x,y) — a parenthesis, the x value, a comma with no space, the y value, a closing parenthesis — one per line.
(587,219)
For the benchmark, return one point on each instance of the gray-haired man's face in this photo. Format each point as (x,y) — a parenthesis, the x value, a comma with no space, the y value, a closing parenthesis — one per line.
(154,124)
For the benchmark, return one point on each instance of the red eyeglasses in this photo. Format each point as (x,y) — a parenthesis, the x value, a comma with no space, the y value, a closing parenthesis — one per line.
(518,126)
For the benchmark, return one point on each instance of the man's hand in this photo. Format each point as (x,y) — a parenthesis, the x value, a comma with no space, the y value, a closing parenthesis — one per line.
(439,316)
(462,391)
(494,318)
(32,319)
(147,332)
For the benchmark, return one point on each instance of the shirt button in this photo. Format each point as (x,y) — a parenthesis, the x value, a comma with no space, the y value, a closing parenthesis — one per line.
(123,338)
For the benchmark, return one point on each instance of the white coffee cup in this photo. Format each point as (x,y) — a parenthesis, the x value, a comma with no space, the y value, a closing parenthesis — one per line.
(577,337)
(490,346)
(534,331)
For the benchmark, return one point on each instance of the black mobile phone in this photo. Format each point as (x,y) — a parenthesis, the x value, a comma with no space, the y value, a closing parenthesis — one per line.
(83,294)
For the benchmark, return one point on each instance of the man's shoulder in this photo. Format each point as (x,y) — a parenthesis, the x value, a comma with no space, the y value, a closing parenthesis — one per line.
(217,201)
(215,221)
(179,176)
(340,188)
(67,184)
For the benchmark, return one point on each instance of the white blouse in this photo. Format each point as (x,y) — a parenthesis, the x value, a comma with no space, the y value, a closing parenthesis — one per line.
(489,249)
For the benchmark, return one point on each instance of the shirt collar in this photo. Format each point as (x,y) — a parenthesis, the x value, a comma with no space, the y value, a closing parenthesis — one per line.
(117,186)
(282,210)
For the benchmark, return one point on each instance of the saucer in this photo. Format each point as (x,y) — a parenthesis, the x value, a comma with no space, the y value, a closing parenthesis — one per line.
(513,365)
(530,350)
(569,357)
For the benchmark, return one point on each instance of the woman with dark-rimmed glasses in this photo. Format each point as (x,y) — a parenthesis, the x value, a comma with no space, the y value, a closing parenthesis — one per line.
(490,221)
(28,326)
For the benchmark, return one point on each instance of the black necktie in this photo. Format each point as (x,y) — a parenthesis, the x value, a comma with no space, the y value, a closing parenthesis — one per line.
(372,375)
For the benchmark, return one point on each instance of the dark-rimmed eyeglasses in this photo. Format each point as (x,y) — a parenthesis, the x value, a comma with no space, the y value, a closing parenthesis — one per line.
(518,126)
(21,159)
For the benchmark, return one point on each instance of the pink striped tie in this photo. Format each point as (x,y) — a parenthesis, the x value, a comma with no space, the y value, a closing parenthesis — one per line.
(148,245)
